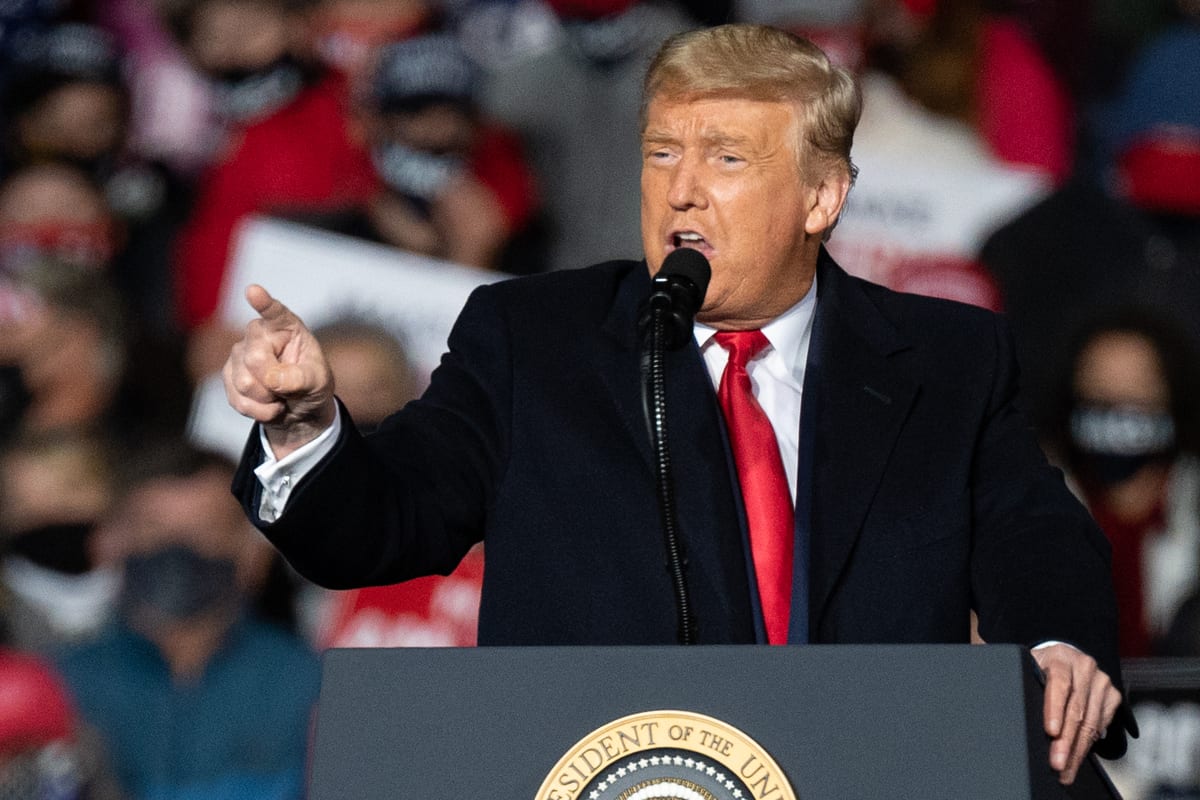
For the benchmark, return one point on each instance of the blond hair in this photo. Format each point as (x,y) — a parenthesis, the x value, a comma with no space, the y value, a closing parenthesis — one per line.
(759,62)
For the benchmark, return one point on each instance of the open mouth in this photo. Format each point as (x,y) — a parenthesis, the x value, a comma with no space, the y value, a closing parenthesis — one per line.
(690,239)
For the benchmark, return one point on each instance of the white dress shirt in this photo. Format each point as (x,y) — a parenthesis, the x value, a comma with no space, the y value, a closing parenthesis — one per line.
(279,476)
(776,374)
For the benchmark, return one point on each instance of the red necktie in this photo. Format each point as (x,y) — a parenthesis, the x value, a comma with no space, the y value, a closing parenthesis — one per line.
(769,511)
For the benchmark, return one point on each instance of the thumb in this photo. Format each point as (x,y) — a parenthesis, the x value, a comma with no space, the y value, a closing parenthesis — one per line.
(291,379)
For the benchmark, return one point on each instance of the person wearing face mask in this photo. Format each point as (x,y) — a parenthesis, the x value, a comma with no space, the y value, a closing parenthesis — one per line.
(454,185)
(54,488)
(68,104)
(185,668)
(54,211)
(66,100)
(289,147)
(1127,433)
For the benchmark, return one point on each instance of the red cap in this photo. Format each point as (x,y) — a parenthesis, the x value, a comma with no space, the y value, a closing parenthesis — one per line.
(589,9)
(34,708)
(1160,171)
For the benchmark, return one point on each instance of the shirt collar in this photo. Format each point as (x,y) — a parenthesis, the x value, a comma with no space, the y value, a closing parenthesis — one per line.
(789,333)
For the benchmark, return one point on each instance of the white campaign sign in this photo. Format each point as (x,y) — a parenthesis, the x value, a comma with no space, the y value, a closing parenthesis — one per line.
(324,276)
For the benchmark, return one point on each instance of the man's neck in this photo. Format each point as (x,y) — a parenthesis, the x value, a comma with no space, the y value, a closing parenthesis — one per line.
(188,647)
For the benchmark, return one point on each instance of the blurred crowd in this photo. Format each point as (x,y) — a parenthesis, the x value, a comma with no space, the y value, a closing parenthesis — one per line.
(1037,158)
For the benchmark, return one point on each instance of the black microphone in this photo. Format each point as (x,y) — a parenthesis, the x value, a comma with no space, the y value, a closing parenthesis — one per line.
(665,323)
(678,290)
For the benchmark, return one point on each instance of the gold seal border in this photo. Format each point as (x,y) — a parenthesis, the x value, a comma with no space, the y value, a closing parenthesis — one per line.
(705,736)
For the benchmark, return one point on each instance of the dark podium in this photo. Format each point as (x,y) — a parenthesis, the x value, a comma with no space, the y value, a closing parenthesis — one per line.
(846,721)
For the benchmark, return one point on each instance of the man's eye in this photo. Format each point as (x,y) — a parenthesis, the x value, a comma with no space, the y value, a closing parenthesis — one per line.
(728,159)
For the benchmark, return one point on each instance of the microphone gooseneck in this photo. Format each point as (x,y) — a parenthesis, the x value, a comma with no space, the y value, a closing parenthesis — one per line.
(665,322)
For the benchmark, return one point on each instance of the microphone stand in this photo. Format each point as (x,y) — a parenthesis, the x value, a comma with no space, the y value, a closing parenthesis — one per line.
(654,406)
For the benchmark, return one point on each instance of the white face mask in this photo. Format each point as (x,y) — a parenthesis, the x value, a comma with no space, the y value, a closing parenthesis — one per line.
(1121,430)
(245,96)
(73,605)
(416,174)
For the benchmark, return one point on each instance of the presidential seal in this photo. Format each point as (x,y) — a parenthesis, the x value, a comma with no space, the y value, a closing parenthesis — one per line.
(666,755)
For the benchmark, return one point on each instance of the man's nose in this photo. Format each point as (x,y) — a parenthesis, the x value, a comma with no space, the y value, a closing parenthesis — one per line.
(687,185)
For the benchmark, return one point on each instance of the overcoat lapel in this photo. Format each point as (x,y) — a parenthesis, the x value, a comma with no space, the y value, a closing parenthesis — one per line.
(862,399)
(707,513)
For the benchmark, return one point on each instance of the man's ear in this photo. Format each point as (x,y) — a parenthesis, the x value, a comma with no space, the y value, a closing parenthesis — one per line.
(827,199)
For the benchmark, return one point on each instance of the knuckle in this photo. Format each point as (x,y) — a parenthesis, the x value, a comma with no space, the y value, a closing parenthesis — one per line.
(256,358)
(1076,708)
(1089,730)
(1057,671)
(245,384)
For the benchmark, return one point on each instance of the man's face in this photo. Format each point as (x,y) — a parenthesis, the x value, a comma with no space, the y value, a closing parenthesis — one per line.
(442,128)
(369,381)
(79,120)
(53,210)
(194,512)
(238,35)
(723,176)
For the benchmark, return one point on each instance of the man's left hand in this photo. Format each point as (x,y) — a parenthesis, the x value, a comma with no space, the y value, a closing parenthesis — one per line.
(1080,704)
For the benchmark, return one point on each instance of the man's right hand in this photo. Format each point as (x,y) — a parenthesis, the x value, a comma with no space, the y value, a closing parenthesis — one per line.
(278,376)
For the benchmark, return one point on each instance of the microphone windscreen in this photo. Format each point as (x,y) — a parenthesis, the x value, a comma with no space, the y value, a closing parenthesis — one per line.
(688,263)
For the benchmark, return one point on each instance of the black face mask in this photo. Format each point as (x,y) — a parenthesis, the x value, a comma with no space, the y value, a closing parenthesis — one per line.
(62,547)
(99,168)
(176,584)
(244,95)
(14,399)
(1106,469)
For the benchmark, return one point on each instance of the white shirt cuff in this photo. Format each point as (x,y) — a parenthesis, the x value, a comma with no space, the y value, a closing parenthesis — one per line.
(279,477)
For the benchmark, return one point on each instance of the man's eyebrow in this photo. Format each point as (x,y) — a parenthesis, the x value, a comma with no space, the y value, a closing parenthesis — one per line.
(713,139)
(721,139)
(657,137)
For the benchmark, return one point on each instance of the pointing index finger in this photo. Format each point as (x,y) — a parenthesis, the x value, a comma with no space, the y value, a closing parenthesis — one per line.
(270,309)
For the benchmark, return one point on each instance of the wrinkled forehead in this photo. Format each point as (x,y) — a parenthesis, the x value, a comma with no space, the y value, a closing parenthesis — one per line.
(671,93)
(735,105)
(722,120)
